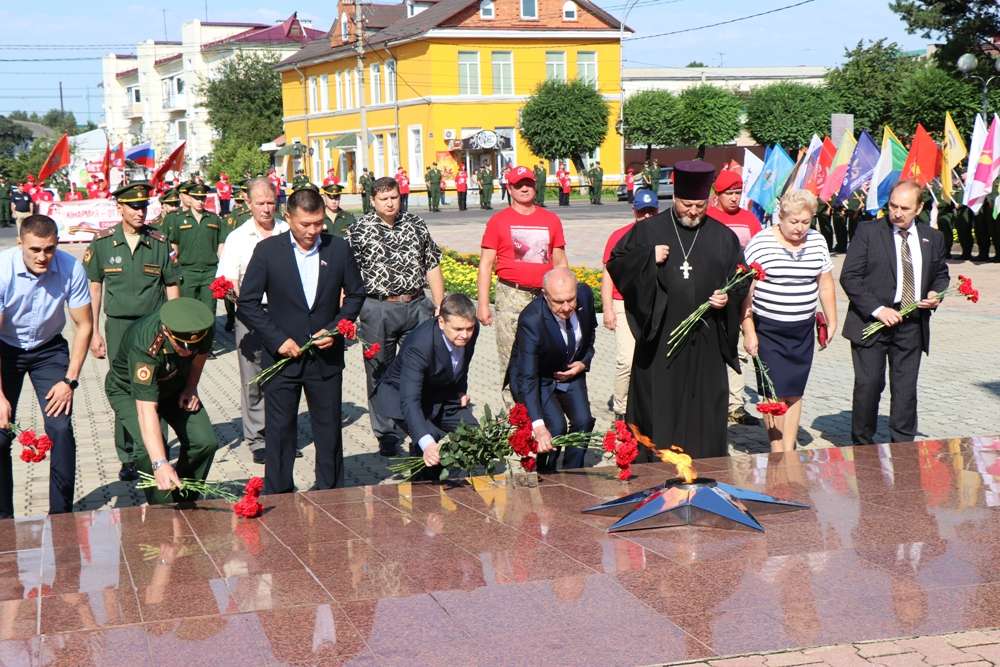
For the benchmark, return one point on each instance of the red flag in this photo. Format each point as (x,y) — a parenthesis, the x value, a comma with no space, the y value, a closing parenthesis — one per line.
(106,164)
(57,159)
(174,162)
(924,160)
(815,179)
(118,160)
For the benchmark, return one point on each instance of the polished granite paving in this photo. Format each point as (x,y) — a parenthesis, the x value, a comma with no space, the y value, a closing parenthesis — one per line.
(901,540)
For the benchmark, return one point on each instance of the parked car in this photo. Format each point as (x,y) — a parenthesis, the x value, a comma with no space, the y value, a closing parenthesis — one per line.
(664,189)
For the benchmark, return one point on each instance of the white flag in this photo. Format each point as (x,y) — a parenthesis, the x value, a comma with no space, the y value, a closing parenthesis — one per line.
(975,150)
(753,167)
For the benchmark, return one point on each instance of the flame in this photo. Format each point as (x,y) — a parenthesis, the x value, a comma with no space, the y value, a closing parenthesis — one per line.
(675,456)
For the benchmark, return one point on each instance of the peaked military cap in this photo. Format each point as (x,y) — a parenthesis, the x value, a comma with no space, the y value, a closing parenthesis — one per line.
(171,196)
(332,189)
(198,191)
(187,319)
(305,186)
(133,194)
(184,187)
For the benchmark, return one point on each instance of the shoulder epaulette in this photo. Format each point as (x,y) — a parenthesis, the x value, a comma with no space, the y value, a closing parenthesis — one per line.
(156,234)
(154,347)
(104,233)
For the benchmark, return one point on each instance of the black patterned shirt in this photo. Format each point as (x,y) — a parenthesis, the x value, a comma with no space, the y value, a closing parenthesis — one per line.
(393,259)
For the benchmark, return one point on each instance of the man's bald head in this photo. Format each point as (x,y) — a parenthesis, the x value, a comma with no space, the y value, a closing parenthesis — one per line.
(559,289)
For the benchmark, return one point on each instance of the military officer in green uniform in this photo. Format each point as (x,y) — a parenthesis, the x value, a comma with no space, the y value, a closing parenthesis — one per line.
(366,182)
(598,172)
(485,178)
(433,179)
(337,219)
(6,217)
(540,184)
(590,175)
(154,379)
(170,201)
(196,238)
(299,180)
(238,214)
(131,273)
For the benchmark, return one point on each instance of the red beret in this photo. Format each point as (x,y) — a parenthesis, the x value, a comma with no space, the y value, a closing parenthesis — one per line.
(727,180)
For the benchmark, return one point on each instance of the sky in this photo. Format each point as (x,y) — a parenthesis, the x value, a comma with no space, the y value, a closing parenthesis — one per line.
(812,34)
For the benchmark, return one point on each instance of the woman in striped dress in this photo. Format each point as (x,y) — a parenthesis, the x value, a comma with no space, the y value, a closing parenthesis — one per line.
(779,313)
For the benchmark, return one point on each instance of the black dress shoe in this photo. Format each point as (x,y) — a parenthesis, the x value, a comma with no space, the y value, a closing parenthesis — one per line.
(258,457)
(128,472)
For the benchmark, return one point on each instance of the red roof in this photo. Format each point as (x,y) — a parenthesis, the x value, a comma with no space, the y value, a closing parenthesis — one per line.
(289,30)
(128,72)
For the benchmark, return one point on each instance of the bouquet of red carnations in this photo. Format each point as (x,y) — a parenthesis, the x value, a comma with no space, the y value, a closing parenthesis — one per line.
(190,487)
(249,506)
(621,445)
(770,405)
(345,328)
(223,288)
(965,288)
(684,329)
(33,447)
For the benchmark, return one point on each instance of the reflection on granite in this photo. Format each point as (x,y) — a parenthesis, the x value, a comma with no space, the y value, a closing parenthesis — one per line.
(899,540)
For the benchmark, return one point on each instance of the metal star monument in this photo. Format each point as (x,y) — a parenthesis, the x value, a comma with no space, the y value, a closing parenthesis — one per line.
(702,502)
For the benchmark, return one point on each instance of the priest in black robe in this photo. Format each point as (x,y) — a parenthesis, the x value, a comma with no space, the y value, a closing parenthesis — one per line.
(665,268)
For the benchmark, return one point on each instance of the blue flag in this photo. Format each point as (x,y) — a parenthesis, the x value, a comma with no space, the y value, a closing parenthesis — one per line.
(777,168)
(860,168)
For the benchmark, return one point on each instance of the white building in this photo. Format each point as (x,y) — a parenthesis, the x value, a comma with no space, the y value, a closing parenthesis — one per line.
(736,79)
(150,96)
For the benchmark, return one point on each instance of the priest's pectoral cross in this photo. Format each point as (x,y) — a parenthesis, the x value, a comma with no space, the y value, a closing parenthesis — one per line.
(686,269)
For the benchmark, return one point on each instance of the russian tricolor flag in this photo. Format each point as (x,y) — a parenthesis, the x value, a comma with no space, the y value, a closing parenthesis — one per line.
(143,155)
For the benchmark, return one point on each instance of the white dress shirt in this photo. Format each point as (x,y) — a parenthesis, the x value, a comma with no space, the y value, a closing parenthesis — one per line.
(307,262)
(239,246)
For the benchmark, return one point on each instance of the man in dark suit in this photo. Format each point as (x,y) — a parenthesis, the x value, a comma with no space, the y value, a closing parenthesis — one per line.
(888,266)
(553,348)
(425,387)
(303,274)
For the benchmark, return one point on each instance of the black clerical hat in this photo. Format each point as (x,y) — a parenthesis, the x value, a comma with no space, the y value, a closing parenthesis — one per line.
(693,179)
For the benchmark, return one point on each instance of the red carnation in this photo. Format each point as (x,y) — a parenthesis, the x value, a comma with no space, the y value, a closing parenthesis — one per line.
(44,443)
(221,287)
(610,440)
(758,270)
(522,442)
(519,415)
(372,351)
(347,329)
(26,455)
(248,507)
(777,408)
(38,456)
(741,268)
(625,473)
(528,463)
(254,486)
(27,438)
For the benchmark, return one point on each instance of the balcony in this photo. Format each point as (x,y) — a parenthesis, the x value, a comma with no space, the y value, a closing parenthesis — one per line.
(176,102)
(133,109)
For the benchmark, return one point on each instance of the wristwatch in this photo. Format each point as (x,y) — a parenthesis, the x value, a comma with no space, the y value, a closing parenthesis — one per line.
(158,463)
(73,384)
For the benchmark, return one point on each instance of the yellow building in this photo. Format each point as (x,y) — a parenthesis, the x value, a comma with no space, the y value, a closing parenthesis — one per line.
(443,81)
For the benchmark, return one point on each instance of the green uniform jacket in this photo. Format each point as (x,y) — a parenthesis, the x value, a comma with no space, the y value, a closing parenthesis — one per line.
(366,182)
(338,226)
(197,242)
(236,217)
(133,282)
(433,177)
(147,366)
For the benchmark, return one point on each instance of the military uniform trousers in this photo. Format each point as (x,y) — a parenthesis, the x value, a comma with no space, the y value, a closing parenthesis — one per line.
(196,282)
(194,431)
(5,216)
(114,332)
(509,301)
(45,365)
(434,197)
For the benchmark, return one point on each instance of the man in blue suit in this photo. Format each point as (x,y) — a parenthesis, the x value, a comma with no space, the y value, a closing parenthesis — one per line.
(425,387)
(553,348)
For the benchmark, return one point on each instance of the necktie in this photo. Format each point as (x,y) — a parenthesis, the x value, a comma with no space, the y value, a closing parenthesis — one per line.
(907,297)
(570,339)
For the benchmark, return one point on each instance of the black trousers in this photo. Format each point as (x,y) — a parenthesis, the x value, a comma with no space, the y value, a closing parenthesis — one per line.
(462,200)
(281,409)
(404,202)
(901,347)
(46,365)
(944,226)
(445,421)
(840,232)
(570,403)
(224,206)
(563,198)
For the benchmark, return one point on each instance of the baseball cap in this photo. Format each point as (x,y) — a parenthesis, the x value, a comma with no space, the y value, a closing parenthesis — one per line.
(518,174)
(645,198)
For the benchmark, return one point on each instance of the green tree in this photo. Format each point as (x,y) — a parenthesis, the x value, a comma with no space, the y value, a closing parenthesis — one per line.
(24,115)
(650,118)
(564,119)
(29,161)
(13,137)
(708,115)
(868,83)
(243,99)
(926,94)
(60,121)
(957,26)
(234,156)
(695,63)
(789,113)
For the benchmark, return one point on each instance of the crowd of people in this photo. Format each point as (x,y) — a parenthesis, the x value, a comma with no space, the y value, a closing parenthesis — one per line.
(305,284)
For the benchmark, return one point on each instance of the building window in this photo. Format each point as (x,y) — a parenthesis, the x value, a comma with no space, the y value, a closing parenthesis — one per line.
(529,9)
(390,83)
(344,27)
(376,83)
(338,91)
(487,10)
(134,96)
(179,85)
(586,67)
(317,156)
(324,93)
(503,73)
(181,130)
(569,11)
(311,95)
(393,153)
(508,156)
(468,73)
(555,65)
(348,90)
(416,152)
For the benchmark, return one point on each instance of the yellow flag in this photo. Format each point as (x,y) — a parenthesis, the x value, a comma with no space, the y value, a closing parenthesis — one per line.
(953,151)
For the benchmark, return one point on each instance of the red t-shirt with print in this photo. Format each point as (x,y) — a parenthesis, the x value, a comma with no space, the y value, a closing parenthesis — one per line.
(523,244)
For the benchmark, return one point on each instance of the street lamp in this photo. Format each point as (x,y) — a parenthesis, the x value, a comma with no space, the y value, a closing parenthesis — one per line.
(620,126)
(967,64)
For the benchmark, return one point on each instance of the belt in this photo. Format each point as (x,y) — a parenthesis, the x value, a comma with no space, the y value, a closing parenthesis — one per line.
(398,298)
(523,288)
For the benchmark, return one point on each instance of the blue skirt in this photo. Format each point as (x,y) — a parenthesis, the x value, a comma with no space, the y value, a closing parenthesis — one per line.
(786,348)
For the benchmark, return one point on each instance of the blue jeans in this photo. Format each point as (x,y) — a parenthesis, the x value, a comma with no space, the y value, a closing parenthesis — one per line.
(46,365)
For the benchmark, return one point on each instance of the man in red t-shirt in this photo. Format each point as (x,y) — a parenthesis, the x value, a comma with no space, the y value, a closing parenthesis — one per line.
(224,189)
(630,184)
(522,242)
(728,189)
(462,187)
(645,205)
(93,187)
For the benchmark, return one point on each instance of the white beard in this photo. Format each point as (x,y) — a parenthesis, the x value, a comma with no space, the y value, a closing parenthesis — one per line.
(691,221)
